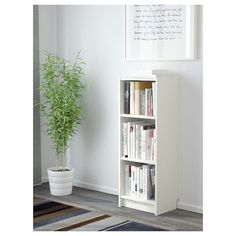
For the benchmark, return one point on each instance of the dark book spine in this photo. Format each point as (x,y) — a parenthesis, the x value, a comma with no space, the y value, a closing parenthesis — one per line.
(127,97)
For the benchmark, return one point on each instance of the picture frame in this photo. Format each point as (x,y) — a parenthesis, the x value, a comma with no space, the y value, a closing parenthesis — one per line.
(160,32)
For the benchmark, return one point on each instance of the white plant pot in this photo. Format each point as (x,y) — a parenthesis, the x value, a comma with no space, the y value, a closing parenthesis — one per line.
(60,182)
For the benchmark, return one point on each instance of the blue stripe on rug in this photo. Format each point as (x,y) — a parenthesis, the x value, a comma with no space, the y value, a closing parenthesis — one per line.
(134,226)
(107,228)
(58,218)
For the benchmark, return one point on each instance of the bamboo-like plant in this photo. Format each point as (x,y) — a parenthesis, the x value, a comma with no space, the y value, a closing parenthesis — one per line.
(61,88)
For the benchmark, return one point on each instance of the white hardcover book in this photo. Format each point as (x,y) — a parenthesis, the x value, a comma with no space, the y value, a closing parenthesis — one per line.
(145,182)
(137,98)
(137,180)
(143,143)
(134,142)
(148,100)
(141,182)
(133,181)
(142,102)
(129,141)
(149,143)
(137,141)
(124,140)
(132,101)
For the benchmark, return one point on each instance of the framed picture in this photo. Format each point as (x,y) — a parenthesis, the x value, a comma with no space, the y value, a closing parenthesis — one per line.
(160,32)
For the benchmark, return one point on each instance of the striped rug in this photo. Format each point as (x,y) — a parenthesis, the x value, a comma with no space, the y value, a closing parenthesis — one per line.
(53,216)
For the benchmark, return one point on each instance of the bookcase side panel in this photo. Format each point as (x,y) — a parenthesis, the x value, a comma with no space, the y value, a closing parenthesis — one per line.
(167,143)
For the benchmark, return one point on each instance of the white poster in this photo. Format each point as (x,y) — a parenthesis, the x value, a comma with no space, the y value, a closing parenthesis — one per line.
(160,32)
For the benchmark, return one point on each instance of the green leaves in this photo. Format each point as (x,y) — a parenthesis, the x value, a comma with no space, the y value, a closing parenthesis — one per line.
(61,87)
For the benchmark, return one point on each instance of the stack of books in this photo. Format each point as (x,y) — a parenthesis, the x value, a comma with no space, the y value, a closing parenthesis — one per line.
(140,181)
(139,98)
(138,140)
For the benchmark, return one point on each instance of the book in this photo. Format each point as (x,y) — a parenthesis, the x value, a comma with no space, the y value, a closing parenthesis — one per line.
(132,101)
(141,182)
(152,178)
(148,100)
(137,94)
(127,97)
(133,181)
(149,141)
(138,181)
(142,102)
(127,179)
(144,140)
(124,140)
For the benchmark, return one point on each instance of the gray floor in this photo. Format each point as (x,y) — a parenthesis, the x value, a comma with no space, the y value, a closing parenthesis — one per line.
(107,203)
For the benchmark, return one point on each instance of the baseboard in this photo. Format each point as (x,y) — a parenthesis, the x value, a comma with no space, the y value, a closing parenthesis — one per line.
(44,179)
(96,187)
(180,205)
(190,207)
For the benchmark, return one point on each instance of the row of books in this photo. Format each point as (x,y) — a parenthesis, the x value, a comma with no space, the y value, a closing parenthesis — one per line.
(139,98)
(138,140)
(140,181)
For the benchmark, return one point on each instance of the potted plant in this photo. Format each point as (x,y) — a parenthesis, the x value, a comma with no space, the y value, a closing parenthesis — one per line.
(61,88)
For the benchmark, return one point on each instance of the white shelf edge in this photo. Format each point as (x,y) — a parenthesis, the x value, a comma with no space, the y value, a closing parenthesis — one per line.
(138,161)
(150,202)
(144,78)
(138,116)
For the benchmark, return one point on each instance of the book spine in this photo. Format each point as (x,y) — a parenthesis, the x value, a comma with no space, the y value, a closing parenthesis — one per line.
(125,140)
(142,103)
(149,102)
(137,144)
(133,181)
(127,97)
(145,182)
(146,102)
(148,142)
(132,102)
(143,143)
(149,184)
(127,179)
(129,141)
(152,172)
(138,181)
(137,98)
(141,182)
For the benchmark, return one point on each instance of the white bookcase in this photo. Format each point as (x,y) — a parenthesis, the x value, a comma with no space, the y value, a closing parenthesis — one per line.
(166,159)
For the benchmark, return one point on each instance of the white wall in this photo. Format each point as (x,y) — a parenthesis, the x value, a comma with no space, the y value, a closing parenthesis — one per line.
(47,42)
(98,31)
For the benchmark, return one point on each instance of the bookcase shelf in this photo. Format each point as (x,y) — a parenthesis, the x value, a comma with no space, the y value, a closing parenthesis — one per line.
(163,161)
(138,161)
(138,116)
(149,202)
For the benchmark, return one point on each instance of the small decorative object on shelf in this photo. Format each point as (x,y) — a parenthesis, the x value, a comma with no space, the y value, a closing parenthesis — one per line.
(148,129)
